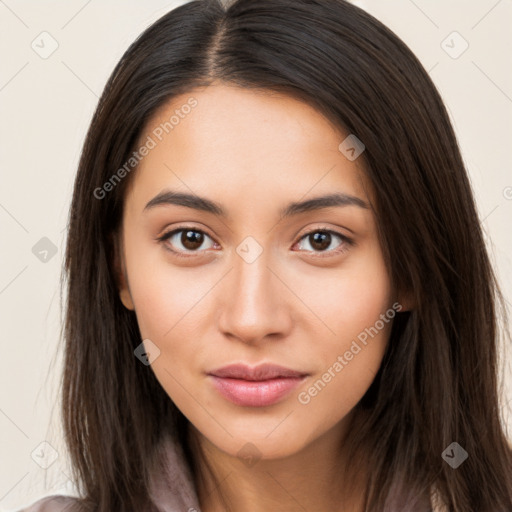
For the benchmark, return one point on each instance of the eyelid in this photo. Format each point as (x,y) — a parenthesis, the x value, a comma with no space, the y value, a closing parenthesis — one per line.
(346,241)
(163,238)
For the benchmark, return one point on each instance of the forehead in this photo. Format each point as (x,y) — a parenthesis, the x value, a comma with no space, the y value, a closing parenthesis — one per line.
(243,145)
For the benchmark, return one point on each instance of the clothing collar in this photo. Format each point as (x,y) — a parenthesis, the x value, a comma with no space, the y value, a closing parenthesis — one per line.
(172,487)
(173,490)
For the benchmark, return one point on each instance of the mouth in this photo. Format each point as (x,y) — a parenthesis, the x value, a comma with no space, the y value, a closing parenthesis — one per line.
(260,386)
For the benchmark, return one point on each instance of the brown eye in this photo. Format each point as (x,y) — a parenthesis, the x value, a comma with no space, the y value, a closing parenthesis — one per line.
(320,240)
(191,240)
(185,240)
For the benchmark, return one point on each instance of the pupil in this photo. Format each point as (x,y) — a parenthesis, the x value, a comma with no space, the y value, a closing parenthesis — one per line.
(191,239)
(322,238)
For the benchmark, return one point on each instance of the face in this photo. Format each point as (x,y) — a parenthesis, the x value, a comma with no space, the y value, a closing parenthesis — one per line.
(245,283)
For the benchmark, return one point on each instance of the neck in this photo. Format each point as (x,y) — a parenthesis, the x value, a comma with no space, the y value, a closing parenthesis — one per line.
(310,479)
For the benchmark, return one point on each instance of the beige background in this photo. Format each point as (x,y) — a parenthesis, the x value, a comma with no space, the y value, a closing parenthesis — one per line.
(46,105)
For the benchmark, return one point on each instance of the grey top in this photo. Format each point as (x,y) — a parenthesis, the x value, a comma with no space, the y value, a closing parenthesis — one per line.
(172,487)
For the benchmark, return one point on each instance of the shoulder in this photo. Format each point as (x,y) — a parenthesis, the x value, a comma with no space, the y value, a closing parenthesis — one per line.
(51,504)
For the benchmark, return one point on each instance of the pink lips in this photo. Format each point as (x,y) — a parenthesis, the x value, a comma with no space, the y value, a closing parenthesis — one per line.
(263,385)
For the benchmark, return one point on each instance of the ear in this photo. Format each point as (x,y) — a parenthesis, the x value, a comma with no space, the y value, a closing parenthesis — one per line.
(120,271)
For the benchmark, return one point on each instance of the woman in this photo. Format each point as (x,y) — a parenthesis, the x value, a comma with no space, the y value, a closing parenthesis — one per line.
(279,296)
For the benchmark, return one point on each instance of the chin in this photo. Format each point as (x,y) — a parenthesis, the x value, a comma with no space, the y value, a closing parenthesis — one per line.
(253,445)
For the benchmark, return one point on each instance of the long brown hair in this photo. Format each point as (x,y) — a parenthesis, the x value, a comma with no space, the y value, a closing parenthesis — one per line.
(438,382)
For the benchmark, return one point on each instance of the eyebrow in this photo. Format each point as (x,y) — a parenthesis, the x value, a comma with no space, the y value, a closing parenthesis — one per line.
(169,197)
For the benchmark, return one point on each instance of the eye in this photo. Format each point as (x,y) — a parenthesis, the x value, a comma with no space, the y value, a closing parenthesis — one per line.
(190,239)
(321,239)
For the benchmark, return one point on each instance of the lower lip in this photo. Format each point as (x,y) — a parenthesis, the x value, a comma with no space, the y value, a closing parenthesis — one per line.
(257,393)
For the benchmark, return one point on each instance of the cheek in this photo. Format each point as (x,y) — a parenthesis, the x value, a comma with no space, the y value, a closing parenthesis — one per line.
(349,299)
(349,365)
(163,295)
(333,393)
(171,308)
(356,309)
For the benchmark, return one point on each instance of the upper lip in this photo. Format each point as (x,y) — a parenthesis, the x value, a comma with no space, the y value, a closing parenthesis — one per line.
(260,372)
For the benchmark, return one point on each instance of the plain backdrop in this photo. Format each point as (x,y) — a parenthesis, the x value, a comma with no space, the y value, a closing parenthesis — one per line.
(47,101)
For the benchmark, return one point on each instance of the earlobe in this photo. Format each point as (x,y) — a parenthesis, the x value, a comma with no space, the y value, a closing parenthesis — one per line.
(126,298)
(121,277)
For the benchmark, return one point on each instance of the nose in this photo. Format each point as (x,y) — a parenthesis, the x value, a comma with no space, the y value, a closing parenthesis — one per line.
(254,303)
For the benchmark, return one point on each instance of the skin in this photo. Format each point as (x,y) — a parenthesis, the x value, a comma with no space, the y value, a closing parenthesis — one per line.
(296,305)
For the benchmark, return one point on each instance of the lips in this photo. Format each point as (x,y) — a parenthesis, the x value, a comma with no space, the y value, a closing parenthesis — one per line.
(261,372)
(260,386)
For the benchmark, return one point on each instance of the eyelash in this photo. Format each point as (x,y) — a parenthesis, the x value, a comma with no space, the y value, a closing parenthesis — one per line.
(346,242)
